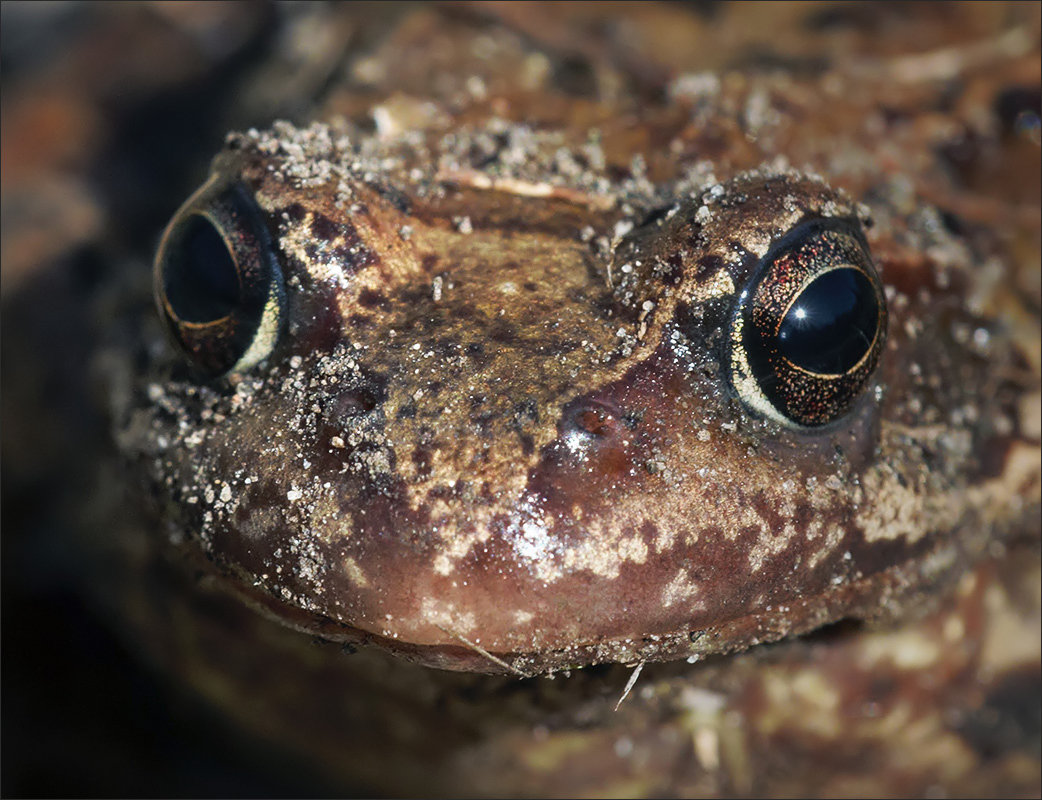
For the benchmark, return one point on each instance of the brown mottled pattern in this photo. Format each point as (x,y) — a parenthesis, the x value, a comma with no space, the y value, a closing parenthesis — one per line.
(502,432)
(416,466)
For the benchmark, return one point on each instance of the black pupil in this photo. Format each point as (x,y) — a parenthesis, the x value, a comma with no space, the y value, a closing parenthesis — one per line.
(201,281)
(832,324)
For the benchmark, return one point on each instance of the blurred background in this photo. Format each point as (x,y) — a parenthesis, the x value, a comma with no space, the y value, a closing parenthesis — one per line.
(108,117)
(109,114)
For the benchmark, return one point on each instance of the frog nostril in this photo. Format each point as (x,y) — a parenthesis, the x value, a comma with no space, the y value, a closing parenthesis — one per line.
(594,421)
(355,401)
(590,420)
(352,404)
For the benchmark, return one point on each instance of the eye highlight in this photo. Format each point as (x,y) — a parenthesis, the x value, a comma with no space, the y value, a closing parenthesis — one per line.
(810,326)
(217,284)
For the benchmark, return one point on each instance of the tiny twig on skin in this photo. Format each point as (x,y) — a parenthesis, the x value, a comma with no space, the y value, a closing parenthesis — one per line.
(629,684)
(479,649)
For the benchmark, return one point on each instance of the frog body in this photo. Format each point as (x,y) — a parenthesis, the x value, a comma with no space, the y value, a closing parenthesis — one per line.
(489,397)
(525,395)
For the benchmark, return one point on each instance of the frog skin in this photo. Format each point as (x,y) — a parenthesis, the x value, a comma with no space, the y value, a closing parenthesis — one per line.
(573,147)
(504,418)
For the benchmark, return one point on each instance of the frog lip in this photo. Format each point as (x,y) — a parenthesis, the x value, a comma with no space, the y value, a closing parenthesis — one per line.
(564,638)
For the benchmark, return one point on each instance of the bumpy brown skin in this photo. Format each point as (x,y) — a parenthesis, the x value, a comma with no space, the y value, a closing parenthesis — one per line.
(416,460)
(573,495)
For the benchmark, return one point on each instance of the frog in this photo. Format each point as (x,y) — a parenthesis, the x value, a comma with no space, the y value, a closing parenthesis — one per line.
(491,375)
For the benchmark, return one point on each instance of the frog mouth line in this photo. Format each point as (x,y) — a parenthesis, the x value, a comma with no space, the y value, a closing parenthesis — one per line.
(857,600)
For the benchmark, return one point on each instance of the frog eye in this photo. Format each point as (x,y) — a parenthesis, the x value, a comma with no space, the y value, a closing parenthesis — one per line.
(810,326)
(218,286)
